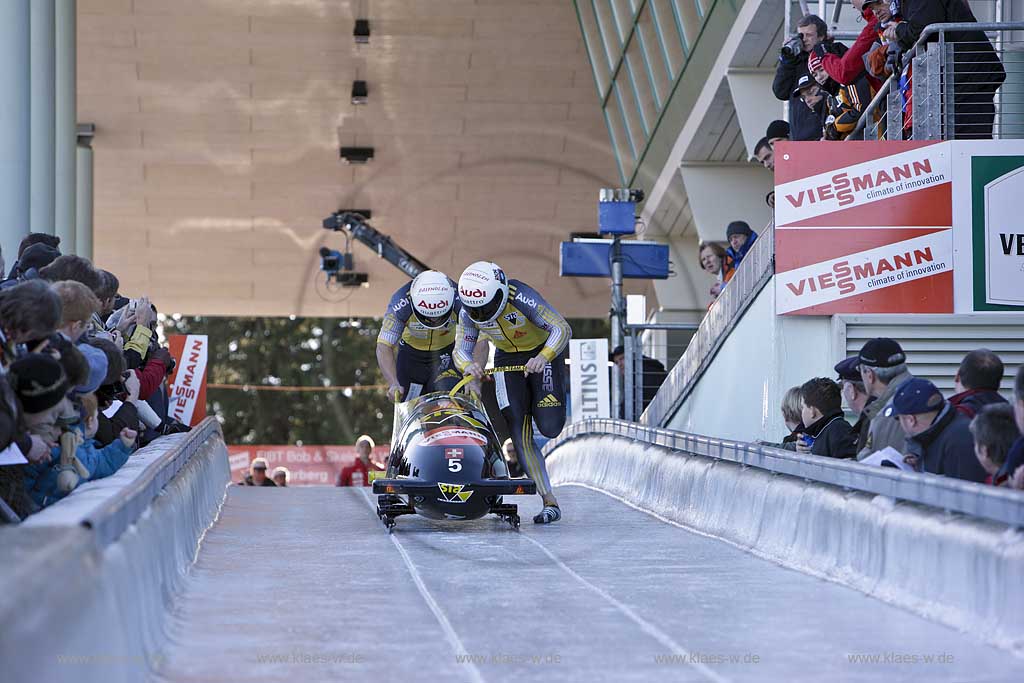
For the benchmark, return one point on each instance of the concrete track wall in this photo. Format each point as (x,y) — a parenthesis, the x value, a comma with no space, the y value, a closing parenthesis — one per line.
(73,610)
(958,571)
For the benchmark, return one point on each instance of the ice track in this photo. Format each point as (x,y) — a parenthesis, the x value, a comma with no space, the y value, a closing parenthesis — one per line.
(305,585)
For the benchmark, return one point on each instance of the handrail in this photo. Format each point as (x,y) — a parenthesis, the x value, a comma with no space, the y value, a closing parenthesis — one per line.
(109,520)
(987,502)
(929,30)
(753,273)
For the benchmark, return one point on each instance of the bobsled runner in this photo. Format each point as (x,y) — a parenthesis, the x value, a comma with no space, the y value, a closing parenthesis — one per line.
(446,464)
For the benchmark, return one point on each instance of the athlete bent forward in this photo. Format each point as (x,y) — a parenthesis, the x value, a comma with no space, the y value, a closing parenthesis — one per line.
(526,331)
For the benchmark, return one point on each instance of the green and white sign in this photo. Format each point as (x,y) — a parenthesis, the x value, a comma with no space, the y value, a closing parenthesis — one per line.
(997,189)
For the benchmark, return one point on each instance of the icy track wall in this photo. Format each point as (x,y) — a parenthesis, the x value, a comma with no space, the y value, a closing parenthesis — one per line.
(82,606)
(960,571)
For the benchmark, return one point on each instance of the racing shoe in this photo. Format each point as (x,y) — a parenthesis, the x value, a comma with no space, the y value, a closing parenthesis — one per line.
(549,514)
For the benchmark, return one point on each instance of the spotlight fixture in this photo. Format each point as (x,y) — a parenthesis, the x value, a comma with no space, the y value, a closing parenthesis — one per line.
(360,93)
(361,32)
(356,155)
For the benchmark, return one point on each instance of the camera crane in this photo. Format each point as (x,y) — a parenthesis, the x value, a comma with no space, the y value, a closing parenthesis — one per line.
(339,266)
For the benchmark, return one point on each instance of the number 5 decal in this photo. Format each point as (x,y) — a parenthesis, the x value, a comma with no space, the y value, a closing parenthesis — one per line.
(454,465)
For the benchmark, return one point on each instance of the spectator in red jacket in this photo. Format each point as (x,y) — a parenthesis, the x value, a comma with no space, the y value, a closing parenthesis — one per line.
(358,473)
(846,68)
(977,382)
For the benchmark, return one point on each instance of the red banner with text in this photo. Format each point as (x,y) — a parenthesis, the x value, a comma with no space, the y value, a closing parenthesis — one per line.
(307,465)
(187,387)
(863,228)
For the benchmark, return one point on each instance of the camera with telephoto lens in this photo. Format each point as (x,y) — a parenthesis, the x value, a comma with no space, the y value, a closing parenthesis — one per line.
(793,46)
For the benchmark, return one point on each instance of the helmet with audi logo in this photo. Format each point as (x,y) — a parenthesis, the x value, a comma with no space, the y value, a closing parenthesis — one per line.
(432,297)
(483,290)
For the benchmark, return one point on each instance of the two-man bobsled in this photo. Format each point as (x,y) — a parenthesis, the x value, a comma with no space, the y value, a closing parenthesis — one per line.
(446,463)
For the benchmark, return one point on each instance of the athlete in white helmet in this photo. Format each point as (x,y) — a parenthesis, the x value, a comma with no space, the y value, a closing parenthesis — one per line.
(525,331)
(414,347)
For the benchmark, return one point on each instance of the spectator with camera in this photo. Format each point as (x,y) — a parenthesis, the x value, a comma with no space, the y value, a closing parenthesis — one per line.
(938,438)
(792,65)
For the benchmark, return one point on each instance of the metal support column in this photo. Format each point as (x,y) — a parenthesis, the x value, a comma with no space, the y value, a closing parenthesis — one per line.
(14,125)
(42,177)
(84,194)
(66,129)
(617,313)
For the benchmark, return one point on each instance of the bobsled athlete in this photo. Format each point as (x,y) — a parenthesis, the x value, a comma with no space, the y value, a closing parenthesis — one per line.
(414,347)
(525,331)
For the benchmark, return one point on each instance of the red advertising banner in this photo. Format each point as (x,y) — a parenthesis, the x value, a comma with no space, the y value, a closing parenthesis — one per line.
(187,387)
(863,227)
(307,465)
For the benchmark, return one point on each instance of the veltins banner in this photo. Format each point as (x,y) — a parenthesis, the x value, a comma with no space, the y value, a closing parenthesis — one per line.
(588,379)
(188,385)
(863,228)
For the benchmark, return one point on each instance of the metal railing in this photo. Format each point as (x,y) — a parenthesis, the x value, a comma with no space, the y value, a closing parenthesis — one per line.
(649,360)
(987,502)
(958,89)
(754,272)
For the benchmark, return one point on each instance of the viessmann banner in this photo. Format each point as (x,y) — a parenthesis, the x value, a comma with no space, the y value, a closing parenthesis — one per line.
(863,228)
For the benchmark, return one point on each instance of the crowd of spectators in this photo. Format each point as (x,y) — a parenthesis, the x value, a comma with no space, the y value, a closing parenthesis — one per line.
(905,422)
(829,86)
(82,376)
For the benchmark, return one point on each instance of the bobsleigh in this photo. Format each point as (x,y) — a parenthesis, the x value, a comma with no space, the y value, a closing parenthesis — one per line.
(446,464)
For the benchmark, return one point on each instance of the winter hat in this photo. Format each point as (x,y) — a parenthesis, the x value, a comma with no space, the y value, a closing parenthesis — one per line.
(39,382)
(37,256)
(777,129)
(97,368)
(738,228)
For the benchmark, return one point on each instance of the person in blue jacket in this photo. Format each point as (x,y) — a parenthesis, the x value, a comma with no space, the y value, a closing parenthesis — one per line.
(41,386)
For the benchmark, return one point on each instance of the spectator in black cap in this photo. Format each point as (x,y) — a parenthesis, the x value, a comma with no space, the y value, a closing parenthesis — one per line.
(1013,469)
(777,130)
(812,95)
(35,257)
(938,438)
(740,238)
(977,382)
(855,395)
(994,431)
(827,432)
(883,369)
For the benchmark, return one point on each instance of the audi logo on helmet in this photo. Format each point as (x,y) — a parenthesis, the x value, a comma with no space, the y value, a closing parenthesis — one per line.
(472,293)
(434,306)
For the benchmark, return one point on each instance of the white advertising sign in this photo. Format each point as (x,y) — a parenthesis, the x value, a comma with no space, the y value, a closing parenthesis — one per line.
(1004,240)
(588,377)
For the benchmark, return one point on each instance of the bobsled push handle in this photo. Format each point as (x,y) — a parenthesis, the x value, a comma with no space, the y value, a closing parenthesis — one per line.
(493,371)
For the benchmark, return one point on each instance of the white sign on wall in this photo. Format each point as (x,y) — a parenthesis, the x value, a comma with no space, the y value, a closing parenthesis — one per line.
(1004,240)
(588,377)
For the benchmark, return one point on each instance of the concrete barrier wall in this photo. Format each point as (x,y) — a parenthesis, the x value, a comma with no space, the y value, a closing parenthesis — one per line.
(962,572)
(74,609)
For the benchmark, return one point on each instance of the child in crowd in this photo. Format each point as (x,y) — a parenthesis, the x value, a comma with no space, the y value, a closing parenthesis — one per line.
(827,432)
(994,432)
